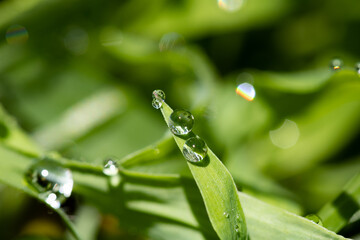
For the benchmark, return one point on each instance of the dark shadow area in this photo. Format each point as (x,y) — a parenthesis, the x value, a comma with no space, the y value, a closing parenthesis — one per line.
(4,131)
(193,195)
(345,205)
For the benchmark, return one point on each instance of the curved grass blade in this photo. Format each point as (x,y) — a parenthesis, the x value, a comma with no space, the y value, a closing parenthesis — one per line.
(336,214)
(269,222)
(218,190)
(263,220)
(15,164)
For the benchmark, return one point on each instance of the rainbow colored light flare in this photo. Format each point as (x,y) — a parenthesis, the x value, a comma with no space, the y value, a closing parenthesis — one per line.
(246,90)
(17,34)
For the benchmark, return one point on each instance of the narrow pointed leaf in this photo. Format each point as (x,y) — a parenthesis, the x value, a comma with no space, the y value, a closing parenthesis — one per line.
(218,190)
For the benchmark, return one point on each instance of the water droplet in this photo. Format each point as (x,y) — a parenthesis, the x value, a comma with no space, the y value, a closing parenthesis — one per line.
(246,90)
(195,149)
(110,167)
(181,122)
(156,103)
(230,5)
(53,182)
(357,67)
(158,94)
(158,98)
(227,215)
(336,64)
(171,41)
(286,135)
(17,34)
(314,218)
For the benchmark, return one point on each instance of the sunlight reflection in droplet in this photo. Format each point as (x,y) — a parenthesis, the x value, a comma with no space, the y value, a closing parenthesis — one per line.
(246,90)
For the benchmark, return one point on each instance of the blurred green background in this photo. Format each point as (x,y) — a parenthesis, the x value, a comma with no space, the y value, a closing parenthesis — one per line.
(78,76)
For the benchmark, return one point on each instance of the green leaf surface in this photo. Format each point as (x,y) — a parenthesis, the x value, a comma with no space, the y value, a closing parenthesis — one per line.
(218,191)
(337,213)
(269,222)
(15,166)
(263,220)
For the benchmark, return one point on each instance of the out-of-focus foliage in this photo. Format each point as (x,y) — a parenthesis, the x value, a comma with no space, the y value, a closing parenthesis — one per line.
(77,77)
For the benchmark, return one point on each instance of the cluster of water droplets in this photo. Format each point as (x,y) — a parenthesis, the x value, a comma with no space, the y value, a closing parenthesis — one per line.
(238,221)
(158,98)
(181,123)
(53,182)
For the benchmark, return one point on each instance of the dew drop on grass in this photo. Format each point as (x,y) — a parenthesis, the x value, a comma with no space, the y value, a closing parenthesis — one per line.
(195,149)
(156,103)
(53,182)
(110,167)
(181,122)
(246,90)
(357,67)
(336,64)
(158,94)
(158,98)
(314,218)
(226,214)
(230,5)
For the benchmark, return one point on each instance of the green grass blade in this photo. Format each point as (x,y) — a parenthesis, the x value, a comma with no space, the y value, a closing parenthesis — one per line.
(15,165)
(218,190)
(264,221)
(269,222)
(336,214)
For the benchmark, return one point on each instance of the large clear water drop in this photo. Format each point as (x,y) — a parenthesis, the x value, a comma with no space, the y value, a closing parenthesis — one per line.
(195,149)
(230,5)
(314,218)
(181,122)
(110,167)
(53,182)
(336,64)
